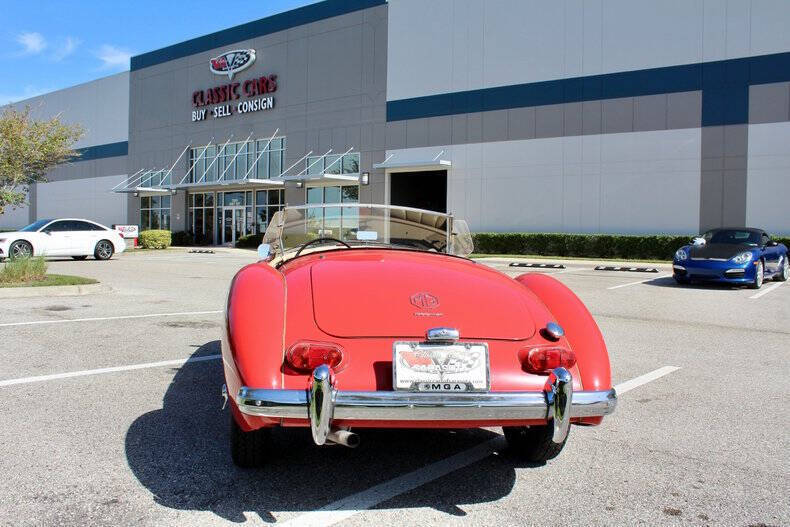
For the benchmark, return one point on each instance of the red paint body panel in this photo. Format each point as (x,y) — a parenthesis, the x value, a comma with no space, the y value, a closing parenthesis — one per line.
(581,331)
(377,288)
(370,289)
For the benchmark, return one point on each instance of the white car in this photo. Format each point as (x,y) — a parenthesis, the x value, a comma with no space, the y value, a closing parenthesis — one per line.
(73,237)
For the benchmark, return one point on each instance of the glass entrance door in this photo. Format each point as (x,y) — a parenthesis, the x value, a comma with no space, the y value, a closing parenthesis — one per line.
(233,224)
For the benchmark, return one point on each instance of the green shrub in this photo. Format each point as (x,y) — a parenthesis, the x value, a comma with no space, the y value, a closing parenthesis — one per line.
(155,239)
(251,241)
(647,247)
(23,270)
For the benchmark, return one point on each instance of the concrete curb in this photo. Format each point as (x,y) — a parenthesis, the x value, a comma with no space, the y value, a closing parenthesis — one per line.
(571,262)
(54,290)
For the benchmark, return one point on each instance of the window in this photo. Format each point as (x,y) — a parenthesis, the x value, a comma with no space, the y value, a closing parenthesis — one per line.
(267,203)
(333,164)
(155,212)
(155,179)
(201,217)
(253,160)
(84,226)
(325,222)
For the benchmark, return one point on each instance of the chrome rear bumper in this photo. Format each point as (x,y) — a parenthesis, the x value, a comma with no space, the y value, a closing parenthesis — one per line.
(322,403)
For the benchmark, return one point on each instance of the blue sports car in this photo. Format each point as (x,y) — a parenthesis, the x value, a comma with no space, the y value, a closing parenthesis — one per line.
(733,256)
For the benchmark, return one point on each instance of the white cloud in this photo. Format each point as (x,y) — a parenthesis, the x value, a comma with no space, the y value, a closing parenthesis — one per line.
(68,47)
(32,43)
(113,57)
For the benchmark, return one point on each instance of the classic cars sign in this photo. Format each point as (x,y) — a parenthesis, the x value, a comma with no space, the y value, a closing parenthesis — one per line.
(250,95)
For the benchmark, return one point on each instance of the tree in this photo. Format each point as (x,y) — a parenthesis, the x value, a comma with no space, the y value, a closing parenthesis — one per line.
(29,149)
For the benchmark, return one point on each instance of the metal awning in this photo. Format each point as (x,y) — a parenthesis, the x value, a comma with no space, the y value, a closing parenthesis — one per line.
(305,175)
(436,163)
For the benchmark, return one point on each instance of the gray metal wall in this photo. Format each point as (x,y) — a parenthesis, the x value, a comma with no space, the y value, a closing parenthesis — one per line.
(645,163)
(331,89)
(101,107)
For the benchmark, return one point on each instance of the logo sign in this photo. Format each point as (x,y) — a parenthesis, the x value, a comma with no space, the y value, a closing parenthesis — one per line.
(127,231)
(232,62)
(424,300)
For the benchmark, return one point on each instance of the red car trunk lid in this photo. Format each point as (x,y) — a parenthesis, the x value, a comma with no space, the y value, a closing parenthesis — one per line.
(401,295)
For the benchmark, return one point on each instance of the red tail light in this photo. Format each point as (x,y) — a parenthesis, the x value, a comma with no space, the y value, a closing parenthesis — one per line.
(308,355)
(545,359)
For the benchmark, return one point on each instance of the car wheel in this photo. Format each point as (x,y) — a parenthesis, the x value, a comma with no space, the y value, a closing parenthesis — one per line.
(104,250)
(83,257)
(681,281)
(759,276)
(20,249)
(248,449)
(784,270)
(533,443)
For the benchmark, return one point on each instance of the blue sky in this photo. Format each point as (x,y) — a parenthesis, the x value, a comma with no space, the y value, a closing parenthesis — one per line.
(49,45)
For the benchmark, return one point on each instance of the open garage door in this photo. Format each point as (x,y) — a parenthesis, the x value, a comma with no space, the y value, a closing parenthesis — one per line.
(421,190)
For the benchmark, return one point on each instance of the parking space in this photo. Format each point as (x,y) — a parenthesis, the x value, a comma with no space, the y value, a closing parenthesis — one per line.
(698,436)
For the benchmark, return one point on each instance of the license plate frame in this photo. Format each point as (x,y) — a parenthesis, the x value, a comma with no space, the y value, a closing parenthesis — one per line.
(446,367)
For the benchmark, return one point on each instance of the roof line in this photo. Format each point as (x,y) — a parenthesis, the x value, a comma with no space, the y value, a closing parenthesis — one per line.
(264,26)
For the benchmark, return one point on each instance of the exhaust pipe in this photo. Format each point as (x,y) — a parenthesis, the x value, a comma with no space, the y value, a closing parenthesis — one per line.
(343,437)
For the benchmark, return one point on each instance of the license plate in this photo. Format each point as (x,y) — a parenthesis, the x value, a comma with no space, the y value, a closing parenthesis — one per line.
(424,367)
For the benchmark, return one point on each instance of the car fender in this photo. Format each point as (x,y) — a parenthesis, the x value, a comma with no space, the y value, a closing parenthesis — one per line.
(252,339)
(581,330)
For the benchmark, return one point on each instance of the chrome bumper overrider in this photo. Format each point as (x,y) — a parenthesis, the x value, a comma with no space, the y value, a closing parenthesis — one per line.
(322,403)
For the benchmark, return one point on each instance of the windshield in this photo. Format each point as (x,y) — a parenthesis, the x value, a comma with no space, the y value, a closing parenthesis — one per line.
(733,236)
(366,226)
(33,227)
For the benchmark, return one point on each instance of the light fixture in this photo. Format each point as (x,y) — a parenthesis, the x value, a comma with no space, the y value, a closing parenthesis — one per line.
(136,194)
(364,179)
(299,184)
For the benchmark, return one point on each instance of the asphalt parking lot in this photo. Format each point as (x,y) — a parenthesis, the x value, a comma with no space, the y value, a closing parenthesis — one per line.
(111,416)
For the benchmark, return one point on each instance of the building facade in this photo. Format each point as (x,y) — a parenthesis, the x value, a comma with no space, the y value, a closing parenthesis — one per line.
(619,116)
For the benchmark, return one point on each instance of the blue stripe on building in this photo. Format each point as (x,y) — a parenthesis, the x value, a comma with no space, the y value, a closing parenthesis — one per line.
(264,26)
(90,153)
(724,85)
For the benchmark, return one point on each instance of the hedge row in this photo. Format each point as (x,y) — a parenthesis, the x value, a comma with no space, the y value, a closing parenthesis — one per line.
(646,247)
(155,239)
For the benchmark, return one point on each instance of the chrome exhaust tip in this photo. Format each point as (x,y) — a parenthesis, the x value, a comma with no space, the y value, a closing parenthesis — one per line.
(343,437)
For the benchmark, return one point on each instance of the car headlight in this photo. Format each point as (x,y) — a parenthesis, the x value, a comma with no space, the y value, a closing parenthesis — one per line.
(681,254)
(2,240)
(743,258)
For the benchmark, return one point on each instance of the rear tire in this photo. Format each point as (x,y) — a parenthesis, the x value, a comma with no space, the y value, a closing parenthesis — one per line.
(248,449)
(104,250)
(759,276)
(784,270)
(533,443)
(680,280)
(80,257)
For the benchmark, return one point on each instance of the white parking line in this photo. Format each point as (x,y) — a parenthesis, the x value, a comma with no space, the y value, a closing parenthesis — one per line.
(766,290)
(345,508)
(627,386)
(349,506)
(55,376)
(122,317)
(640,281)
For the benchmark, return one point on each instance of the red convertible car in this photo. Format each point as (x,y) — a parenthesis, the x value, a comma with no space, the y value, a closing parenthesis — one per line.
(371,316)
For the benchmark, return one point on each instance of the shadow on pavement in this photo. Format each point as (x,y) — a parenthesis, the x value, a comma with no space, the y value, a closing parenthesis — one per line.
(181,455)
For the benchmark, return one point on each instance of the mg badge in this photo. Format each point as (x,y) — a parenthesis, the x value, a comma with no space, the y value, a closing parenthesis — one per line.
(424,300)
